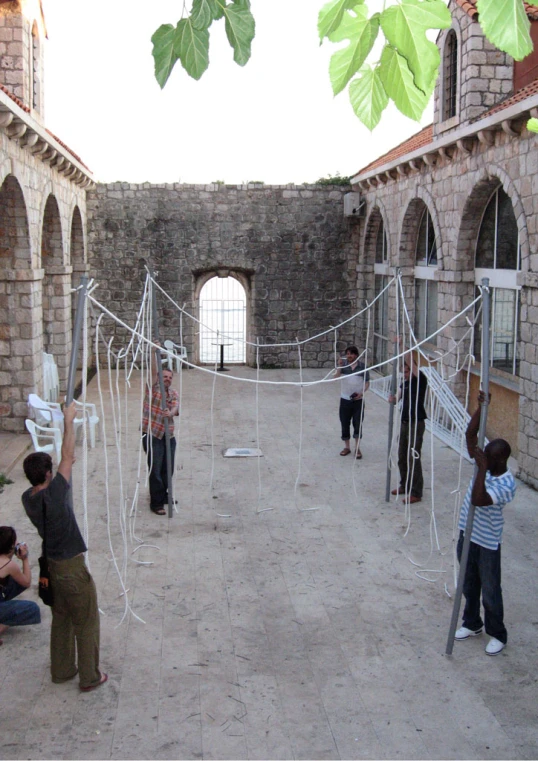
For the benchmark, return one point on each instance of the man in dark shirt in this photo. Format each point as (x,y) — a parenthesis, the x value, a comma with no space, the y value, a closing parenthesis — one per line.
(413,416)
(75,614)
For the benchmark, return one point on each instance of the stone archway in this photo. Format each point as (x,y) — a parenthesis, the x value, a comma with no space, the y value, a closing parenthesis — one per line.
(243,279)
(20,309)
(56,290)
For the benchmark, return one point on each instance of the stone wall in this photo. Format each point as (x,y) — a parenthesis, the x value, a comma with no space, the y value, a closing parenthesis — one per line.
(456,191)
(289,246)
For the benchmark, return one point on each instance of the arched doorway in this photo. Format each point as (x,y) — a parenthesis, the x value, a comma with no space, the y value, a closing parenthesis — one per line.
(223,309)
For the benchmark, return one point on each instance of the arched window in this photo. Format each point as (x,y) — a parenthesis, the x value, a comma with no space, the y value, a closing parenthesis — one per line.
(450,75)
(425,283)
(381,309)
(498,257)
(223,320)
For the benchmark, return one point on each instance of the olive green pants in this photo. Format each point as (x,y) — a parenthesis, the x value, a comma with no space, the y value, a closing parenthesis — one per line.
(75,620)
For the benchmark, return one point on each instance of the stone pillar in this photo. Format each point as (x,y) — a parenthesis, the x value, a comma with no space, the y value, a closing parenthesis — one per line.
(21,344)
(528,372)
(57,318)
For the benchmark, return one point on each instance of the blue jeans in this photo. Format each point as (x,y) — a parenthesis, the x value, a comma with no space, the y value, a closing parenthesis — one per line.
(483,575)
(17,612)
(351,410)
(158,475)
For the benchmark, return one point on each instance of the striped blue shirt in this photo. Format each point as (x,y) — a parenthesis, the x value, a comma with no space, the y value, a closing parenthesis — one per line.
(489,520)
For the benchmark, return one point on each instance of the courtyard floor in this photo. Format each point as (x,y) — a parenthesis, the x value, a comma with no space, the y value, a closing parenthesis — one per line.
(289,633)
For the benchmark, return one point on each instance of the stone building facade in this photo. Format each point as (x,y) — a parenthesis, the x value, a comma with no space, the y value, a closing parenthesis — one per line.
(458,202)
(42,219)
(288,246)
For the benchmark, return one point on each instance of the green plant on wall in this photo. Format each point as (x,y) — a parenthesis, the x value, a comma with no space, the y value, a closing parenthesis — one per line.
(404,71)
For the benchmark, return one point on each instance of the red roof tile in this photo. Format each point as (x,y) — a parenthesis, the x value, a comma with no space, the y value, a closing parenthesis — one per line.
(27,110)
(424,137)
(520,95)
(15,99)
(469,6)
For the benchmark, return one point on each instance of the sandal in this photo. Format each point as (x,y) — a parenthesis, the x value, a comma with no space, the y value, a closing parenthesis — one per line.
(345,452)
(104,678)
(358,455)
(158,510)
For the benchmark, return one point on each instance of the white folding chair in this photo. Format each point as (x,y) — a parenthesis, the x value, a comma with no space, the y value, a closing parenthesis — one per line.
(51,381)
(41,434)
(45,413)
(91,418)
(176,355)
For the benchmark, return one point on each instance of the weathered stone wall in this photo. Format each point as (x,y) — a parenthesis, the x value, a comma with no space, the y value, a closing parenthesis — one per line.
(456,191)
(485,74)
(289,246)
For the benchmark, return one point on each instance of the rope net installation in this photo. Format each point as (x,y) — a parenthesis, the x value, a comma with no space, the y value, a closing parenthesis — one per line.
(124,377)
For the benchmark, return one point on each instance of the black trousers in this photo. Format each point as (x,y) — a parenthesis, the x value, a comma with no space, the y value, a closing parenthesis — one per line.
(158,474)
(351,410)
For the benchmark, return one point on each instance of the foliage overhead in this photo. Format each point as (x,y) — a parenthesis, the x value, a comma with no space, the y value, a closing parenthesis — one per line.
(405,62)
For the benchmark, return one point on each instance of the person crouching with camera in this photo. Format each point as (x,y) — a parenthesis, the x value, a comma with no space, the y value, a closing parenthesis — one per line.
(15,577)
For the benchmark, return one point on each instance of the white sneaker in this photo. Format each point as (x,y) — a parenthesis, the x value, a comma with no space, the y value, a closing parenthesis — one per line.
(494,646)
(464,633)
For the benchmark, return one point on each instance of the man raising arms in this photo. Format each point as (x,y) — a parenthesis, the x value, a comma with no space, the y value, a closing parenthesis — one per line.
(75,615)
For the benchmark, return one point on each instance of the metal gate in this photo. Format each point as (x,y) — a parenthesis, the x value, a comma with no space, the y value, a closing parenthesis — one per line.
(223,321)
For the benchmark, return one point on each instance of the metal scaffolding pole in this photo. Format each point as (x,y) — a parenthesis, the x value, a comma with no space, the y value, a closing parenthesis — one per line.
(481,437)
(391,424)
(163,396)
(77,328)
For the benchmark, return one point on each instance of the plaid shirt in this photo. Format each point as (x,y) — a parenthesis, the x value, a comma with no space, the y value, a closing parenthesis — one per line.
(154,411)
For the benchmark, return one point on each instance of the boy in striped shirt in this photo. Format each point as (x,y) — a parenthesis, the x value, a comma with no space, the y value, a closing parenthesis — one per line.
(493,487)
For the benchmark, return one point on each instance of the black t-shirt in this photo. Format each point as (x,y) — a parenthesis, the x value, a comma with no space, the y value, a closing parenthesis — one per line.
(414,409)
(64,540)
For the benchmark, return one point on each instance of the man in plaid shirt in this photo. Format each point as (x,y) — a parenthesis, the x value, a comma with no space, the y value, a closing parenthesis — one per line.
(153,438)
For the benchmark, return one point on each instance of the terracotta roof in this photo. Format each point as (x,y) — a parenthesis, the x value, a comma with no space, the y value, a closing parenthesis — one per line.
(469,6)
(14,98)
(424,137)
(27,110)
(517,97)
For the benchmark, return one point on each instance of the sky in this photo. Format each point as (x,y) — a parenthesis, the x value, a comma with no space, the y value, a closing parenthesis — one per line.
(274,120)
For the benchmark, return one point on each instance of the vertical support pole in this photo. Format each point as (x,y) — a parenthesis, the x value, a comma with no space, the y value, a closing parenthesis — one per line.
(163,395)
(79,316)
(481,437)
(75,342)
(391,424)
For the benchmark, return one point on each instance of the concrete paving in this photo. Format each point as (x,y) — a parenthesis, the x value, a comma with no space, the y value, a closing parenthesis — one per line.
(284,633)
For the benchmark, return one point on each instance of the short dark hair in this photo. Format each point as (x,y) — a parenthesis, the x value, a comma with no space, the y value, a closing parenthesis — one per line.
(352,350)
(499,450)
(8,539)
(36,466)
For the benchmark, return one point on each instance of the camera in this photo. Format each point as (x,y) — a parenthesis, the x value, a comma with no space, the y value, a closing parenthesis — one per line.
(18,547)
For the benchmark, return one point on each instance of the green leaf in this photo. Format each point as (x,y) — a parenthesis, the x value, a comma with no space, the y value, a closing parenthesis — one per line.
(330,16)
(532,125)
(192,47)
(506,24)
(240,29)
(368,97)
(163,52)
(361,33)
(399,84)
(405,28)
(203,13)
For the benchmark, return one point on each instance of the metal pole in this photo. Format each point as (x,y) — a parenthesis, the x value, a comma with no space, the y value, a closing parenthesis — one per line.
(163,396)
(391,424)
(481,438)
(79,316)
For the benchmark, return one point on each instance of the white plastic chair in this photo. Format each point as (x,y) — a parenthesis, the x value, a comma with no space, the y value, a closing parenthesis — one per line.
(91,418)
(39,434)
(51,381)
(177,354)
(45,413)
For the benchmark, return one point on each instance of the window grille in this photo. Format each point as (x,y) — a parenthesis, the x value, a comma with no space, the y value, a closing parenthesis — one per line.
(223,321)
(450,79)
